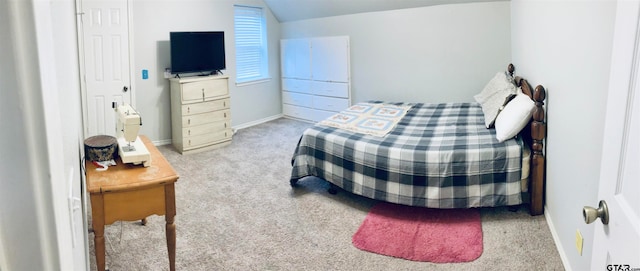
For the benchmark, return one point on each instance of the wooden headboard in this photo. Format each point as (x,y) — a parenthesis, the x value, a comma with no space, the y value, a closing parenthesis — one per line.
(534,134)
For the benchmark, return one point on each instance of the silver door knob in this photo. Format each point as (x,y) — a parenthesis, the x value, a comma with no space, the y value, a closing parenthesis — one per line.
(590,214)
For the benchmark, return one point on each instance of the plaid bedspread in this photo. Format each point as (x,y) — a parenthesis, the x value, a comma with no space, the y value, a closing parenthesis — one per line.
(437,156)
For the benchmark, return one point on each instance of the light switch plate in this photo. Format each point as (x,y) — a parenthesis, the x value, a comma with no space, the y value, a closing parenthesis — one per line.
(579,241)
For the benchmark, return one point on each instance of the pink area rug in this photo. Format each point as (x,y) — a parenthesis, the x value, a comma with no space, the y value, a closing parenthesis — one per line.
(421,234)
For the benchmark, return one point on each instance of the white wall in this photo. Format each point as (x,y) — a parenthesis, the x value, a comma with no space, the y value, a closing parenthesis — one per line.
(39,153)
(566,46)
(18,226)
(152,22)
(66,71)
(440,53)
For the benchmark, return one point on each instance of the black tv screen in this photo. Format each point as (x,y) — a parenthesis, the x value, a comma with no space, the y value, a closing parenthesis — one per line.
(197,51)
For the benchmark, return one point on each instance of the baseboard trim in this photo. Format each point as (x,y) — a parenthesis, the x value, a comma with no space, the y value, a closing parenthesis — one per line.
(303,120)
(235,128)
(256,122)
(556,240)
(161,142)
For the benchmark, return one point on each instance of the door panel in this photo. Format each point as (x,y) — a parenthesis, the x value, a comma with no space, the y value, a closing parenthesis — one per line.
(617,244)
(106,61)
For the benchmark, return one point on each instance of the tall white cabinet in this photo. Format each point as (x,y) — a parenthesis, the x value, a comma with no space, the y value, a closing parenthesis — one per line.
(316,79)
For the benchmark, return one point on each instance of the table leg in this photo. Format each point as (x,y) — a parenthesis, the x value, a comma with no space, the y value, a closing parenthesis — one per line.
(97,217)
(170,205)
(99,245)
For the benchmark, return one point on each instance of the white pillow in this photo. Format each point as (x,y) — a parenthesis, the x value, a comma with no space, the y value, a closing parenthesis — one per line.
(494,96)
(515,115)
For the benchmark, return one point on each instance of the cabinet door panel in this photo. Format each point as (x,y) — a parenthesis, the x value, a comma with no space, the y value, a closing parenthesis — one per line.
(194,91)
(303,59)
(204,90)
(296,58)
(215,89)
(287,58)
(330,57)
(146,201)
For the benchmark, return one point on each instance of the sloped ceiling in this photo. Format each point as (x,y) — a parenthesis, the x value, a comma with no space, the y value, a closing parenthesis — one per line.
(294,10)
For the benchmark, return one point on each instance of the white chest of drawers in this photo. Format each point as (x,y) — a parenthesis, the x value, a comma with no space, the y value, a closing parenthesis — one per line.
(200,113)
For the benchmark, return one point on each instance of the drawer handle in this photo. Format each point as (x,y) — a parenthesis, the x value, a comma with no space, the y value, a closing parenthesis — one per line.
(224,104)
(225,125)
(188,109)
(189,132)
(189,121)
(189,142)
(225,114)
(203,94)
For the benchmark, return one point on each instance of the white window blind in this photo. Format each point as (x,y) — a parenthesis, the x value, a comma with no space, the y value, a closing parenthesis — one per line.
(251,45)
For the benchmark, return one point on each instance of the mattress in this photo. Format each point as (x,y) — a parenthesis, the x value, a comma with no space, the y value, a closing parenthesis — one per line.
(437,156)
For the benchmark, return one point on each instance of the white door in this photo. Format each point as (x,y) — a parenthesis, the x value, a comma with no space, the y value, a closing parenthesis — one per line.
(105,43)
(616,246)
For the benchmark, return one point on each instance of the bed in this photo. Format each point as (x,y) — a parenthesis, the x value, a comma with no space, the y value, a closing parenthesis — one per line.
(441,155)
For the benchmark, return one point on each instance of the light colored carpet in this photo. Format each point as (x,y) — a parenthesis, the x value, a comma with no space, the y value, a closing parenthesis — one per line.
(237,211)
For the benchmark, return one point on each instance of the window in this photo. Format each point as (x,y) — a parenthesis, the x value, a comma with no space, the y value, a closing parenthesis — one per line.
(251,44)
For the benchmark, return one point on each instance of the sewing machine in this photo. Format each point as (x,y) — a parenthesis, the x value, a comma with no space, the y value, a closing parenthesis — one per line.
(130,148)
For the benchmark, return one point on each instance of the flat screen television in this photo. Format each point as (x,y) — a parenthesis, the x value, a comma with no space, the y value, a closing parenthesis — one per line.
(193,52)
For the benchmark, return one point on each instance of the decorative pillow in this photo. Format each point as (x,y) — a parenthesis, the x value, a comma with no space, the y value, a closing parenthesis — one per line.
(494,96)
(515,115)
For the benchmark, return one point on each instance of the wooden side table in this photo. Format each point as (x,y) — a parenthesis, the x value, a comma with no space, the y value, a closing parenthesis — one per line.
(132,192)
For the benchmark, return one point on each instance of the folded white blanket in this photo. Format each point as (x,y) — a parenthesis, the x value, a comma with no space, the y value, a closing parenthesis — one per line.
(368,118)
